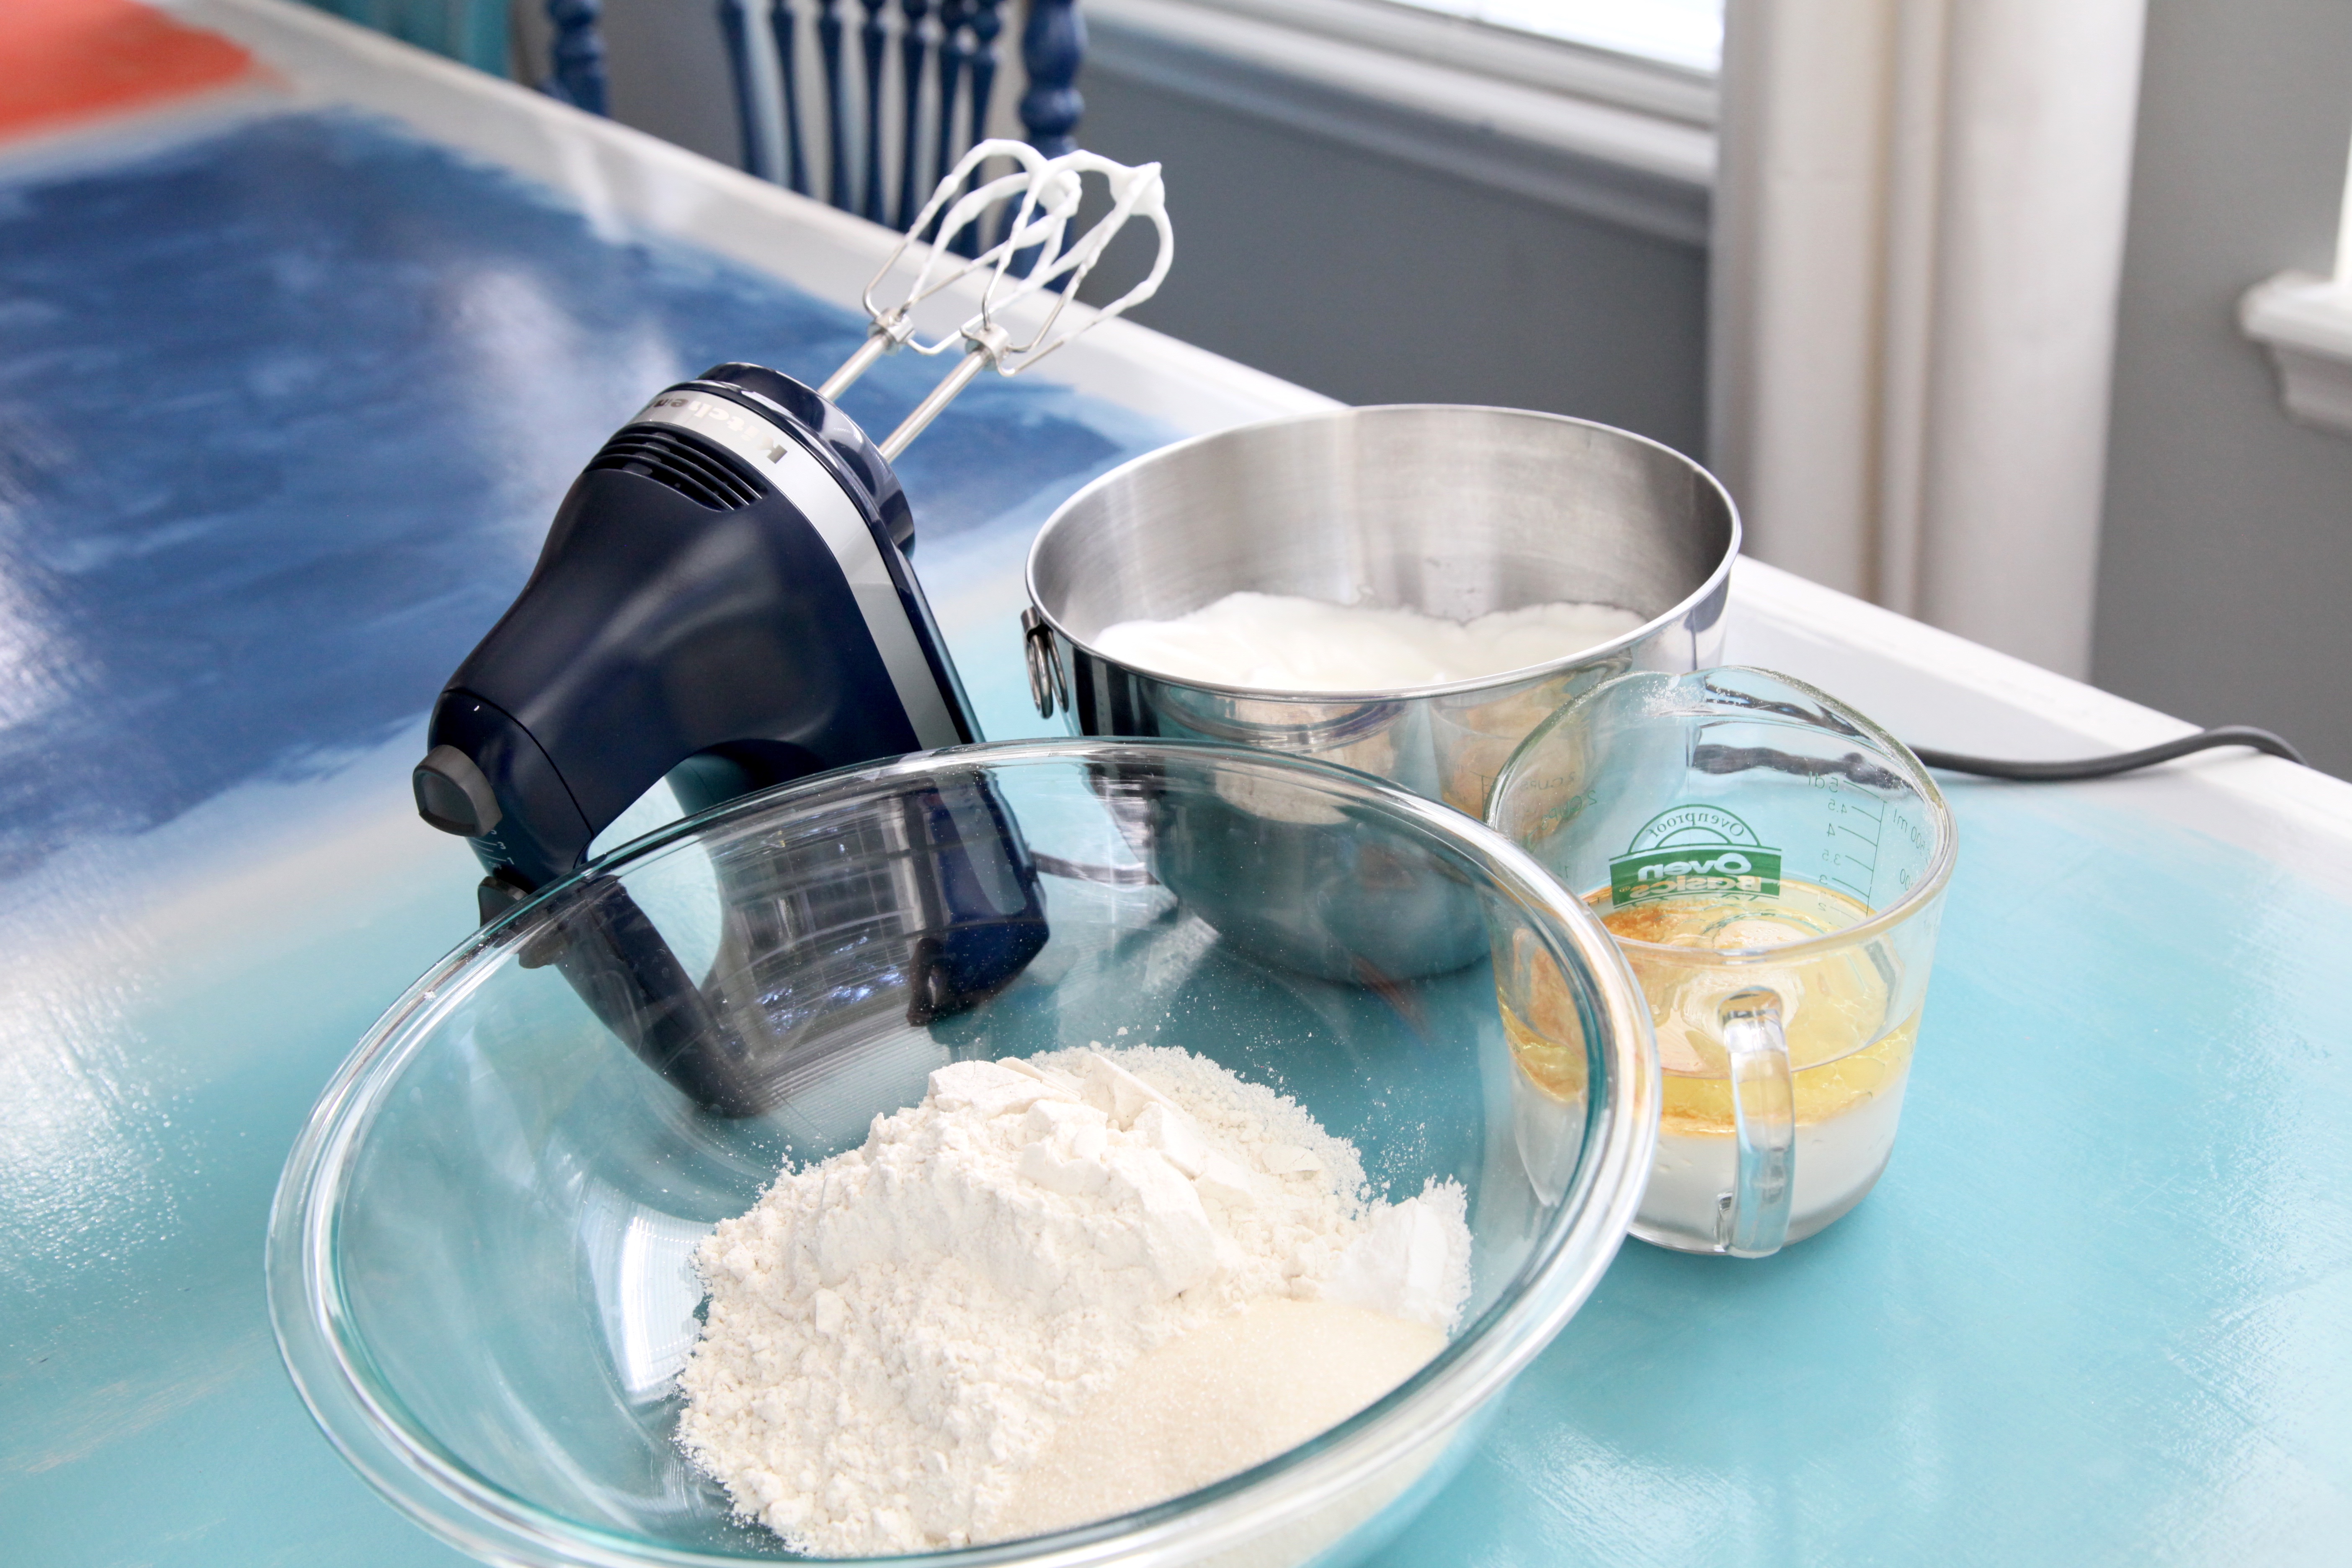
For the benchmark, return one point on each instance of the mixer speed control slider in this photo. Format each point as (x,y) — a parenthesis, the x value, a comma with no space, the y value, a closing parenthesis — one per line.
(454,796)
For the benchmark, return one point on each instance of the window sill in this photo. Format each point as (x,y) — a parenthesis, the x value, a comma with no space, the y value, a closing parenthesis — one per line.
(2306,324)
(1614,137)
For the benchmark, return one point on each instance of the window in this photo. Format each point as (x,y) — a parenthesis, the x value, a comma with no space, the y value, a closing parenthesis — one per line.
(1603,107)
(1684,33)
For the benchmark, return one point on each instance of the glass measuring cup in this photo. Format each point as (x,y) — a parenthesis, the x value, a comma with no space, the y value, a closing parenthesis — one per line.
(1772,865)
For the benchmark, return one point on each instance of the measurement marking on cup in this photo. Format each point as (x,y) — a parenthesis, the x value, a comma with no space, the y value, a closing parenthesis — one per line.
(1843,810)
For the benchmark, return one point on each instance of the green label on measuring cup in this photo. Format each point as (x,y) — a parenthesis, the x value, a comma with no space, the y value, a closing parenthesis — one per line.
(1694,849)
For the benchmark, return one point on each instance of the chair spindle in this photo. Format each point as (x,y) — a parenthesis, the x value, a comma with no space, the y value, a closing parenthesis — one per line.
(987,23)
(829,30)
(955,54)
(914,48)
(876,35)
(576,57)
(784,22)
(734,26)
(1052,46)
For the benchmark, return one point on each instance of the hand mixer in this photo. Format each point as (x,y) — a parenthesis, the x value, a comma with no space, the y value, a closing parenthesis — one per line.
(724,600)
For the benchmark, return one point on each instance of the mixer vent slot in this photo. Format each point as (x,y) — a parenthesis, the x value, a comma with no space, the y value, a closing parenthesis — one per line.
(669,458)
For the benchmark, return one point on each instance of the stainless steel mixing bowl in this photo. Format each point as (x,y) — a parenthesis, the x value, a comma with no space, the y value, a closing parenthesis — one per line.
(1452,510)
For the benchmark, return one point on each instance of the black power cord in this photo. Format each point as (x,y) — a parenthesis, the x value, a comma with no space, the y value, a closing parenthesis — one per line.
(2109,766)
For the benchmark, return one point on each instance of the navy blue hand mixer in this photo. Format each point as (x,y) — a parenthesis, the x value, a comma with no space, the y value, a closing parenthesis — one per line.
(725,601)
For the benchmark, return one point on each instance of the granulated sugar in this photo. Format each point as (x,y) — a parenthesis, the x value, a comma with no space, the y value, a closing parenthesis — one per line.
(898,1336)
(1215,1401)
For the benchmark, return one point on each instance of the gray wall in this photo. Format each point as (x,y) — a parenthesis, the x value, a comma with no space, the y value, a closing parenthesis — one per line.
(1376,281)
(2225,575)
(667,64)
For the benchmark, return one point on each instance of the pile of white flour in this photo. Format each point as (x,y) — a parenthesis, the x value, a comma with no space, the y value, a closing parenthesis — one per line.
(895,1336)
(1280,642)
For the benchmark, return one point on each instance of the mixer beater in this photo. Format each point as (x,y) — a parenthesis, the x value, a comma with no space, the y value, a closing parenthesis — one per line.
(1045,194)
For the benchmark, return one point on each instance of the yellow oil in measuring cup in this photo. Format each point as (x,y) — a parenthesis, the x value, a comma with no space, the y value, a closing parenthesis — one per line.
(1842,1048)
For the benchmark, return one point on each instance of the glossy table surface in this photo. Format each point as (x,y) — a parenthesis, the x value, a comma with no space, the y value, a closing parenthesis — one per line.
(290,378)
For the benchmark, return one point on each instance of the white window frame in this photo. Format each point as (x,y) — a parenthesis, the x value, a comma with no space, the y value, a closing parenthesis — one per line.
(2305,321)
(1619,27)
(1627,140)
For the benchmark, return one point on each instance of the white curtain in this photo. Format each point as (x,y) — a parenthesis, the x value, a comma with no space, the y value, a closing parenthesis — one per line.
(1919,225)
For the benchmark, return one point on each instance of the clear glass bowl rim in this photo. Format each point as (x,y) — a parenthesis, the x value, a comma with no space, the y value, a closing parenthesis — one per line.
(464,1509)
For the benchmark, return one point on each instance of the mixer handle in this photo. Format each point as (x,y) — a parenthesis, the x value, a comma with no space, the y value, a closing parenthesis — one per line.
(1752,1219)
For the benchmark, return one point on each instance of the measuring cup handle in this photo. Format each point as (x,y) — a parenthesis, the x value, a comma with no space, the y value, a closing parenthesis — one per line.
(1752,1220)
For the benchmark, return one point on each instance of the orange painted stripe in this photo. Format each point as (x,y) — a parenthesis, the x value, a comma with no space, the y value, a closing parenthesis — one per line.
(62,60)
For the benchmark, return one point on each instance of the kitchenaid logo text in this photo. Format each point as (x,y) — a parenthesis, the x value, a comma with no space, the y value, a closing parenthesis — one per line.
(704,408)
(1694,849)
(711,411)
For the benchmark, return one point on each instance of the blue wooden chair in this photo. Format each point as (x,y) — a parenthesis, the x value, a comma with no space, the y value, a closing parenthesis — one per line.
(946,75)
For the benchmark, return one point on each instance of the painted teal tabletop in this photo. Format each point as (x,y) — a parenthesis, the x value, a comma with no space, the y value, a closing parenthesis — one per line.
(285,400)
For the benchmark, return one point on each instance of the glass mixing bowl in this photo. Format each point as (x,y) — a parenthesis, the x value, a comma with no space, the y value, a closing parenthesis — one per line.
(479,1255)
